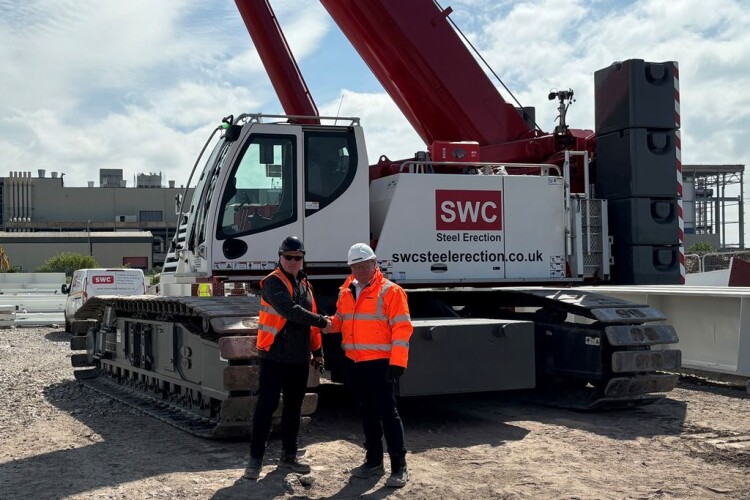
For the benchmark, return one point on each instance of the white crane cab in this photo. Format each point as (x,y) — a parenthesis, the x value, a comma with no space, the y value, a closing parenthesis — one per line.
(273,180)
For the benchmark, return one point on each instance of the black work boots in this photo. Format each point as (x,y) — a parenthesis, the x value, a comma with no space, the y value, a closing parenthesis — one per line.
(372,468)
(287,461)
(290,461)
(369,469)
(399,473)
(253,469)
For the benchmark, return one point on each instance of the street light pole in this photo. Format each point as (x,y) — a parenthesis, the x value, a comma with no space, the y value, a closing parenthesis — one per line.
(88,232)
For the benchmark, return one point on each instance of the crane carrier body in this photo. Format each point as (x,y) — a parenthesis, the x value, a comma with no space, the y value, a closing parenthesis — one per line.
(489,231)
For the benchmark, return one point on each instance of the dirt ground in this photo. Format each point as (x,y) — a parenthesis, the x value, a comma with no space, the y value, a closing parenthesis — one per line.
(59,439)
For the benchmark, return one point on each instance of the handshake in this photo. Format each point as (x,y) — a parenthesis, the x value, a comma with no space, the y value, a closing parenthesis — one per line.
(329,325)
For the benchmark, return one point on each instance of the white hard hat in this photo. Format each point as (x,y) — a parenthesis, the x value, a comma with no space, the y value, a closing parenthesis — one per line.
(359,252)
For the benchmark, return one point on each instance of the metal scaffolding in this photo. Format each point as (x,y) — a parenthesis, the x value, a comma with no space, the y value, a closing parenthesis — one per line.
(713,202)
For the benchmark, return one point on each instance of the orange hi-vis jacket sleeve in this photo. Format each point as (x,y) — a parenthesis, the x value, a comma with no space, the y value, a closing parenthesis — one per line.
(270,322)
(376,325)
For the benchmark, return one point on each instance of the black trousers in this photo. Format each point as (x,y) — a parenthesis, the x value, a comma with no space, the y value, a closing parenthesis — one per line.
(375,396)
(275,377)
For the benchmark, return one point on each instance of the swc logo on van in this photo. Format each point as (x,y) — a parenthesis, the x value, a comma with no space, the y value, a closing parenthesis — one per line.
(468,210)
(103,280)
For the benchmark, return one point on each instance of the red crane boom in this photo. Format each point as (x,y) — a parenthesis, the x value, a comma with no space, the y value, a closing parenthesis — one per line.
(415,53)
(269,40)
(425,67)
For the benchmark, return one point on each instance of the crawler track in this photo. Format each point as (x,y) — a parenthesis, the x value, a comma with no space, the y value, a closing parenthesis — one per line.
(190,362)
(156,407)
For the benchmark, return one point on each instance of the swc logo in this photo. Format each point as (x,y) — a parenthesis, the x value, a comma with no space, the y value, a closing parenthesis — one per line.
(472,210)
(103,280)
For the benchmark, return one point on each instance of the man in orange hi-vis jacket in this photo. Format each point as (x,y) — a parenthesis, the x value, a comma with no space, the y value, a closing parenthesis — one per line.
(373,317)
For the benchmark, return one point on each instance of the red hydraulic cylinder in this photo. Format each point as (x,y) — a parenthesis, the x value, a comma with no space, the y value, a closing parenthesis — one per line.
(277,58)
(427,70)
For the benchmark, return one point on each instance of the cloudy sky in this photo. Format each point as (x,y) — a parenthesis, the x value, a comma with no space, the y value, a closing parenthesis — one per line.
(138,85)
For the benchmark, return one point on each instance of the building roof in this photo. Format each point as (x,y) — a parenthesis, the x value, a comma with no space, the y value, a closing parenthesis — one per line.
(98,236)
(713,169)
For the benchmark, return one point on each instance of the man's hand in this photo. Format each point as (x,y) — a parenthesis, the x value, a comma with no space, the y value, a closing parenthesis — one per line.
(394,372)
(317,362)
(329,326)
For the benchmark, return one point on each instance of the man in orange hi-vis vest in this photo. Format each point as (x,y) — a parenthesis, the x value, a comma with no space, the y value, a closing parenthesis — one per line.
(373,317)
(288,341)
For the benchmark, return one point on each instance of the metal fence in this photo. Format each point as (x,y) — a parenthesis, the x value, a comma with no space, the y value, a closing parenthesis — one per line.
(695,263)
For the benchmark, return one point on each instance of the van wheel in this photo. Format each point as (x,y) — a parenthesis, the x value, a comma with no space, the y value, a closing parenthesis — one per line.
(67,325)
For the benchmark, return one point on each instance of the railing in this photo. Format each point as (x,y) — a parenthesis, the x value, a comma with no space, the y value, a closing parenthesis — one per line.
(695,263)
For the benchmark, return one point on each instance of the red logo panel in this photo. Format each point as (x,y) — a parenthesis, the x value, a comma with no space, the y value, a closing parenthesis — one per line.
(468,210)
(103,280)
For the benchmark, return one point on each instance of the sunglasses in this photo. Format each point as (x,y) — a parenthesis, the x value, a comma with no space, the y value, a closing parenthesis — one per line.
(293,257)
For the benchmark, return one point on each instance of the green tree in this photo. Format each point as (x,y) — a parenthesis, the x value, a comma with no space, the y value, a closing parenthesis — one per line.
(700,247)
(67,262)
(155,278)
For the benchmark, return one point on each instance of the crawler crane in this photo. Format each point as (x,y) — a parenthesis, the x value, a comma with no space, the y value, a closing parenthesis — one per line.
(489,230)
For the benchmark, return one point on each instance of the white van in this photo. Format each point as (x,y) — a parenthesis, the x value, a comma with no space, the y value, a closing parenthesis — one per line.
(87,283)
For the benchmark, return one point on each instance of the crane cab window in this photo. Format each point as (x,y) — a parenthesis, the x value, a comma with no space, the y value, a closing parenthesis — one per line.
(330,166)
(260,191)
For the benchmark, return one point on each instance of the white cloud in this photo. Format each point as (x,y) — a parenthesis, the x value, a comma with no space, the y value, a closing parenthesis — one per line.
(303,29)
(387,132)
(135,85)
(540,45)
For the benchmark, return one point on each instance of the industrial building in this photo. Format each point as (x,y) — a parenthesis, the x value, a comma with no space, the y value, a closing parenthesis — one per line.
(88,219)
(27,251)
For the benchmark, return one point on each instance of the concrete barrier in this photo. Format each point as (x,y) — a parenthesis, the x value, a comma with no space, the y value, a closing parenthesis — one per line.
(40,319)
(33,292)
(38,303)
(49,283)
(7,316)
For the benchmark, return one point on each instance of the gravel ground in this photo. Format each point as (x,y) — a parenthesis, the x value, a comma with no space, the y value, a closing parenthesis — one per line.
(59,439)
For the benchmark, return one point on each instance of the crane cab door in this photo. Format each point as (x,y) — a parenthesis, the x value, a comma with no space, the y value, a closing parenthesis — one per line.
(270,189)
(259,202)
(337,196)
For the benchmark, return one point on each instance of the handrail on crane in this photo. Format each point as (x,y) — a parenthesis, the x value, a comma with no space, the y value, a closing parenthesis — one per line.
(296,119)
(487,168)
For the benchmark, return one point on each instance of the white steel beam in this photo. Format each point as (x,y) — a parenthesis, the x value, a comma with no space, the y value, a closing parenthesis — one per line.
(713,323)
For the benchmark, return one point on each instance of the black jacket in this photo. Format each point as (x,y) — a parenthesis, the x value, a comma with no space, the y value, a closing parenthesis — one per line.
(292,343)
